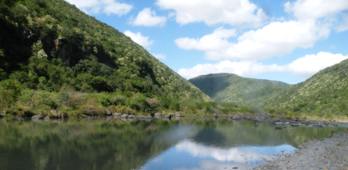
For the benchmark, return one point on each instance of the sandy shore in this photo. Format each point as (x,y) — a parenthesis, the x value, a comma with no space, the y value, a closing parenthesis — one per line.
(328,154)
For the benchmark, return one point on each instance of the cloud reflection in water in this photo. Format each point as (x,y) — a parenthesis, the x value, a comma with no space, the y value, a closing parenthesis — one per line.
(190,155)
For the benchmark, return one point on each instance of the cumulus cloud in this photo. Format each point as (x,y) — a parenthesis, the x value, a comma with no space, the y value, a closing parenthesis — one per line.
(312,63)
(314,20)
(304,66)
(274,39)
(139,38)
(148,17)
(315,9)
(213,43)
(109,7)
(232,12)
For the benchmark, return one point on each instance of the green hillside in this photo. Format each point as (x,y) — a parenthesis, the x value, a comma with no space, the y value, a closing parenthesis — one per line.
(323,95)
(54,59)
(231,88)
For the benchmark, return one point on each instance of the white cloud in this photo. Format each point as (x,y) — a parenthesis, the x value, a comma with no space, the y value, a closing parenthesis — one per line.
(315,9)
(314,20)
(211,43)
(232,12)
(148,17)
(139,38)
(274,39)
(310,64)
(109,7)
(304,66)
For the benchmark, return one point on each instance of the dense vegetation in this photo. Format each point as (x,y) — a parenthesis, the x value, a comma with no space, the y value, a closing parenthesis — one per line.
(325,95)
(231,88)
(55,60)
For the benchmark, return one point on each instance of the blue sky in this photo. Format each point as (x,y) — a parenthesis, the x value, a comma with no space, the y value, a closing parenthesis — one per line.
(286,40)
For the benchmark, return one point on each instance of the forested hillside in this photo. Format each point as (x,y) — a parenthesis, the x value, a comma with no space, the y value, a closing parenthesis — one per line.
(323,95)
(231,88)
(54,59)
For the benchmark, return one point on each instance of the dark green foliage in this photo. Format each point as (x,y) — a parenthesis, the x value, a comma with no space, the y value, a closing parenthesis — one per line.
(54,44)
(10,90)
(238,90)
(2,71)
(115,100)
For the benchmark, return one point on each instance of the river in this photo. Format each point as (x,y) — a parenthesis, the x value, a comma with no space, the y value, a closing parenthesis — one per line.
(154,145)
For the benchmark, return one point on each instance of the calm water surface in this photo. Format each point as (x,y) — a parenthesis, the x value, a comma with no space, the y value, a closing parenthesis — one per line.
(105,145)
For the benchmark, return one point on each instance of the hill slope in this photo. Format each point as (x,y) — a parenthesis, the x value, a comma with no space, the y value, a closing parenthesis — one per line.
(49,48)
(324,94)
(231,88)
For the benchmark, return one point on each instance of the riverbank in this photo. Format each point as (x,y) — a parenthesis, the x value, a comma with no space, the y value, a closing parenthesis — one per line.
(330,153)
(278,122)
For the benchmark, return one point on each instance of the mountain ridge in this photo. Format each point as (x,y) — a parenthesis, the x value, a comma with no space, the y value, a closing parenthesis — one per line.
(231,88)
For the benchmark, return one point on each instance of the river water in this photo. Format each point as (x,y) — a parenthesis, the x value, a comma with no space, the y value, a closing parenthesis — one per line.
(155,145)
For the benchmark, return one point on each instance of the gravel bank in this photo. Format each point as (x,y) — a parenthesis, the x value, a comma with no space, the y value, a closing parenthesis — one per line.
(328,154)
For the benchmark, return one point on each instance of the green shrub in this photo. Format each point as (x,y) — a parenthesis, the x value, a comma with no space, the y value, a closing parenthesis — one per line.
(70,98)
(10,90)
(116,100)
(152,105)
(137,102)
